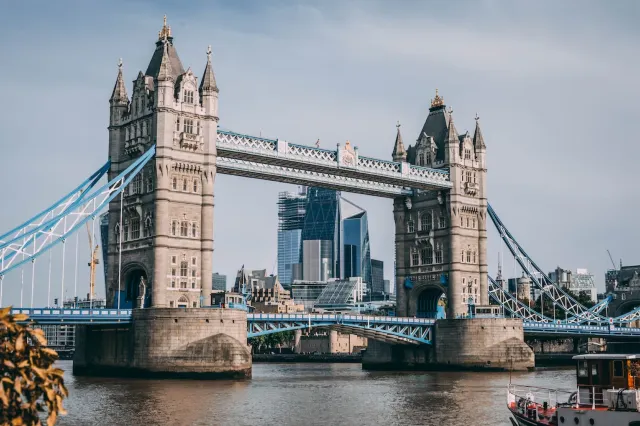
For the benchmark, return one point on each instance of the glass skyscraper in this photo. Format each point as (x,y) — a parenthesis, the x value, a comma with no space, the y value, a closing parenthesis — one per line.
(357,250)
(291,215)
(321,235)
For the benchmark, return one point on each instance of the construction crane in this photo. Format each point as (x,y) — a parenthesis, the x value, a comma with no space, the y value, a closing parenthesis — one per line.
(92,265)
(611,258)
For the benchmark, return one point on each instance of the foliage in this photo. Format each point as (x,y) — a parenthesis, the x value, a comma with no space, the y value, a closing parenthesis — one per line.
(29,384)
(271,341)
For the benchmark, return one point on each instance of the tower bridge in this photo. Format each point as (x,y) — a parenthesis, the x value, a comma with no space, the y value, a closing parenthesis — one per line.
(165,150)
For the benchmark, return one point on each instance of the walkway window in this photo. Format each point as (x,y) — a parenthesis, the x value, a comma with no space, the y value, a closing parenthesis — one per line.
(426,222)
(410,227)
(184,229)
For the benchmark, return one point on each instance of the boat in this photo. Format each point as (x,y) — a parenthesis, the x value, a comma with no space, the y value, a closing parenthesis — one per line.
(607,394)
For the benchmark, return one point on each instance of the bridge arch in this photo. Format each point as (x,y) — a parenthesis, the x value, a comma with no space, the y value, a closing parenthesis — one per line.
(423,300)
(132,273)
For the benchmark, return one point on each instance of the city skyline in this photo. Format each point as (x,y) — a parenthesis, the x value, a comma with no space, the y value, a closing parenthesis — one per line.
(534,93)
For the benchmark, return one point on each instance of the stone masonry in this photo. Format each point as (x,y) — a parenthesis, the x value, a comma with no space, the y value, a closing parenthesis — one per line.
(441,237)
(167,210)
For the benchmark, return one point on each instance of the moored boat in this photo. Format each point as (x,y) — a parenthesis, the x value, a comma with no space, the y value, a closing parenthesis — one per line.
(607,394)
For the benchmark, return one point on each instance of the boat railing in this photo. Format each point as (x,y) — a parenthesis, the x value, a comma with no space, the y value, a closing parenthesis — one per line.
(544,397)
(593,396)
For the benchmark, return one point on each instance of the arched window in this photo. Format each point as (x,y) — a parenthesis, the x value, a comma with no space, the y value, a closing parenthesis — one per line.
(467,222)
(420,159)
(195,185)
(428,159)
(183,302)
(184,184)
(426,222)
(174,183)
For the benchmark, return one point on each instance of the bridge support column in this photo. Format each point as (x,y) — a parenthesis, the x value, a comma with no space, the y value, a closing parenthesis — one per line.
(297,336)
(473,344)
(164,342)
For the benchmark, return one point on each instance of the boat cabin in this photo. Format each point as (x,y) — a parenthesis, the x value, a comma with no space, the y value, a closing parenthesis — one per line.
(597,373)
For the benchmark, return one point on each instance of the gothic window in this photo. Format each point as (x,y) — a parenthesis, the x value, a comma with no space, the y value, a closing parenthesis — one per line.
(473,223)
(188,96)
(183,284)
(468,176)
(438,253)
(467,154)
(137,184)
(173,284)
(193,273)
(442,222)
(148,223)
(197,127)
(193,261)
(410,226)
(135,228)
(174,226)
(474,257)
(177,124)
(461,223)
(462,256)
(149,183)
(174,260)
(474,177)
(468,256)
(184,266)
(188,125)
(184,184)
(467,222)
(184,229)
(426,222)
(173,272)
(427,255)
(421,160)
(194,230)
(415,258)
(428,158)
(174,183)
(195,185)
(126,230)
(116,231)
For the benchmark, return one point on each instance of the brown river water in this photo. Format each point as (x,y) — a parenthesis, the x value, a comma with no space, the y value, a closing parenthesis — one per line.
(303,394)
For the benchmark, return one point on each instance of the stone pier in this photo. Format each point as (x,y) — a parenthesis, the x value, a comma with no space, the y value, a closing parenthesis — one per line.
(459,344)
(163,342)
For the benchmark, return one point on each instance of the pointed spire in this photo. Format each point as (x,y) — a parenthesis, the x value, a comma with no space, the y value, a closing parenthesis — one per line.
(452,137)
(478,140)
(165,32)
(399,153)
(437,102)
(165,71)
(208,82)
(119,95)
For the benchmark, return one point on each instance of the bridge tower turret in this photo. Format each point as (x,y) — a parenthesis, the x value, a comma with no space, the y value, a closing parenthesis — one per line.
(166,234)
(441,235)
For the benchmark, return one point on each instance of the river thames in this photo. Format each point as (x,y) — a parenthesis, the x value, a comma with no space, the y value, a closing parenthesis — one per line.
(303,394)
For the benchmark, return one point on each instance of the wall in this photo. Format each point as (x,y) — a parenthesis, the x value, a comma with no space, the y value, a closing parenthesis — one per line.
(332,343)
(201,343)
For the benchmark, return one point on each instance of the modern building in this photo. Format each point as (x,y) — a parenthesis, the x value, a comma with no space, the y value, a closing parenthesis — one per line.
(321,235)
(341,295)
(377,277)
(219,282)
(357,250)
(307,292)
(388,288)
(582,282)
(291,214)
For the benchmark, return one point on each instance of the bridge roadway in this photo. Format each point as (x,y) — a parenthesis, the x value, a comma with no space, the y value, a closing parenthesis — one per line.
(398,330)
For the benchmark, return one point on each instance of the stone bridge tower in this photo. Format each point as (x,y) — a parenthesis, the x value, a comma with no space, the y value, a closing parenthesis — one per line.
(441,237)
(167,210)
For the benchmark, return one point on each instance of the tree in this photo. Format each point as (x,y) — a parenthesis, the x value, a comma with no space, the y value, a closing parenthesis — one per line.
(29,384)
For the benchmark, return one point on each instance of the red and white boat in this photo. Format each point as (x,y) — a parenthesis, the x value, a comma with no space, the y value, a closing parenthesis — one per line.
(607,394)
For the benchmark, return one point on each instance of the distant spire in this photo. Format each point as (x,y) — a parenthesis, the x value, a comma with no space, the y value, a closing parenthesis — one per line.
(119,95)
(399,153)
(478,140)
(438,101)
(165,32)
(208,82)
(165,71)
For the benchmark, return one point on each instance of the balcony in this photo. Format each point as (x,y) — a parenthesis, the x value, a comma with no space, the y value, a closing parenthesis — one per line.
(471,188)
(190,141)
(136,146)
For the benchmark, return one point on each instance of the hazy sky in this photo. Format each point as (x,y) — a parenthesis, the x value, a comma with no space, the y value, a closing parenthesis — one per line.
(555,85)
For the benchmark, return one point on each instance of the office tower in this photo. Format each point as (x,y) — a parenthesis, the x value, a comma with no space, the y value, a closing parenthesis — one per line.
(291,214)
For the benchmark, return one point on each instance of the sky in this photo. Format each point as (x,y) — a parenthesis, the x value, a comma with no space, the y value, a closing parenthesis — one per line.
(554,83)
